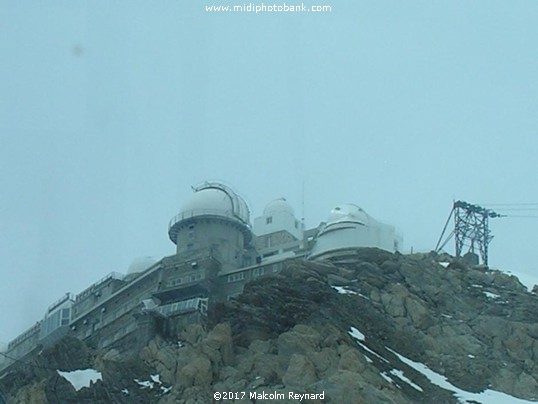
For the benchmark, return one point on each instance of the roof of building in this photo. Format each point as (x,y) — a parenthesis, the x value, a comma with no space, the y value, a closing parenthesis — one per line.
(212,199)
(278,206)
(348,212)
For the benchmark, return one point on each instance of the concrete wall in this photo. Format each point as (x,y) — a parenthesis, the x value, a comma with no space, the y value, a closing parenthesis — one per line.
(97,293)
(225,239)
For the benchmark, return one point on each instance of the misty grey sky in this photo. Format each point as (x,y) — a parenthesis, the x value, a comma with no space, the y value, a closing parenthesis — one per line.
(111,110)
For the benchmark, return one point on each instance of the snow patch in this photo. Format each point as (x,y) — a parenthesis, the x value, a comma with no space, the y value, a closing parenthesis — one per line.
(399,374)
(386,377)
(444,264)
(491,295)
(356,334)
(150,384)
(146,384)
(486,397)
(344,291)
(368,359)
(81,378)
(359,336)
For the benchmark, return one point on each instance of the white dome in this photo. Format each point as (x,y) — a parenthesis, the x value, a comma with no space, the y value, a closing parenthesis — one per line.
(278,206)
(208,200)
(348,226)
(141,264)
(348,213)
(215,199)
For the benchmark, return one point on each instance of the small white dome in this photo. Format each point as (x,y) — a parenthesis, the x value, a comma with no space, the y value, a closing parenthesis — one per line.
(141,264)
(278,206)
(348,213)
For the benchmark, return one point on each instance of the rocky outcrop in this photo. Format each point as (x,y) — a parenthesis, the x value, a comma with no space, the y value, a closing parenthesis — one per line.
(342,328)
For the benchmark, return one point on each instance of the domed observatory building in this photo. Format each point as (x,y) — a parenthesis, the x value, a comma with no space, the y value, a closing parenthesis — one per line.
(214,222)
(278,231)
(349,227)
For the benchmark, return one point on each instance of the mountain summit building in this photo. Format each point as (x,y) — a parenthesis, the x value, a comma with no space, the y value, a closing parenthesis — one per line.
(217,252)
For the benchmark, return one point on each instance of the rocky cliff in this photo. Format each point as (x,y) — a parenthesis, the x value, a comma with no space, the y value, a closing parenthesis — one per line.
(366,328)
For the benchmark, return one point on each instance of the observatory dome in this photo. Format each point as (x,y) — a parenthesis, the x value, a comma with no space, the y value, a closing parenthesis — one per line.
(279,205)
(141,264)
(348,227)
(212,200)
(215,200)
(348,213)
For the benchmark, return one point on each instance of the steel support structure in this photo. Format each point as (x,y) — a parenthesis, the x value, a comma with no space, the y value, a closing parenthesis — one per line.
(471,229)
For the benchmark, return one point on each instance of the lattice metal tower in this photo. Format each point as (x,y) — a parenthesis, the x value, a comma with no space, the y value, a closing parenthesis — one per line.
(471,229)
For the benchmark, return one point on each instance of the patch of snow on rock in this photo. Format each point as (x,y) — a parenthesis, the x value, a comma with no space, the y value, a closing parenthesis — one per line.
(486,397)
(344,291)
(491,295)
(359,336)
(356,334)
(144,384)
(386,377)
(399,374)
(81,378)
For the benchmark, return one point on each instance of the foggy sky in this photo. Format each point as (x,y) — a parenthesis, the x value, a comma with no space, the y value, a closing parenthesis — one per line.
(110,111)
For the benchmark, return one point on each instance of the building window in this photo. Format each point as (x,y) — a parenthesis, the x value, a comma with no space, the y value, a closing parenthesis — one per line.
(236,277)
(258,272)
(269,220)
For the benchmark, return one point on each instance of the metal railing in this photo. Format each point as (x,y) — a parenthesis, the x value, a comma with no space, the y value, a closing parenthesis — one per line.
(205,212)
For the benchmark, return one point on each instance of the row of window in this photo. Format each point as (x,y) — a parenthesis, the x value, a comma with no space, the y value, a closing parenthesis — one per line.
(54,321)
(197,303)
(259,271)
(185,279)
